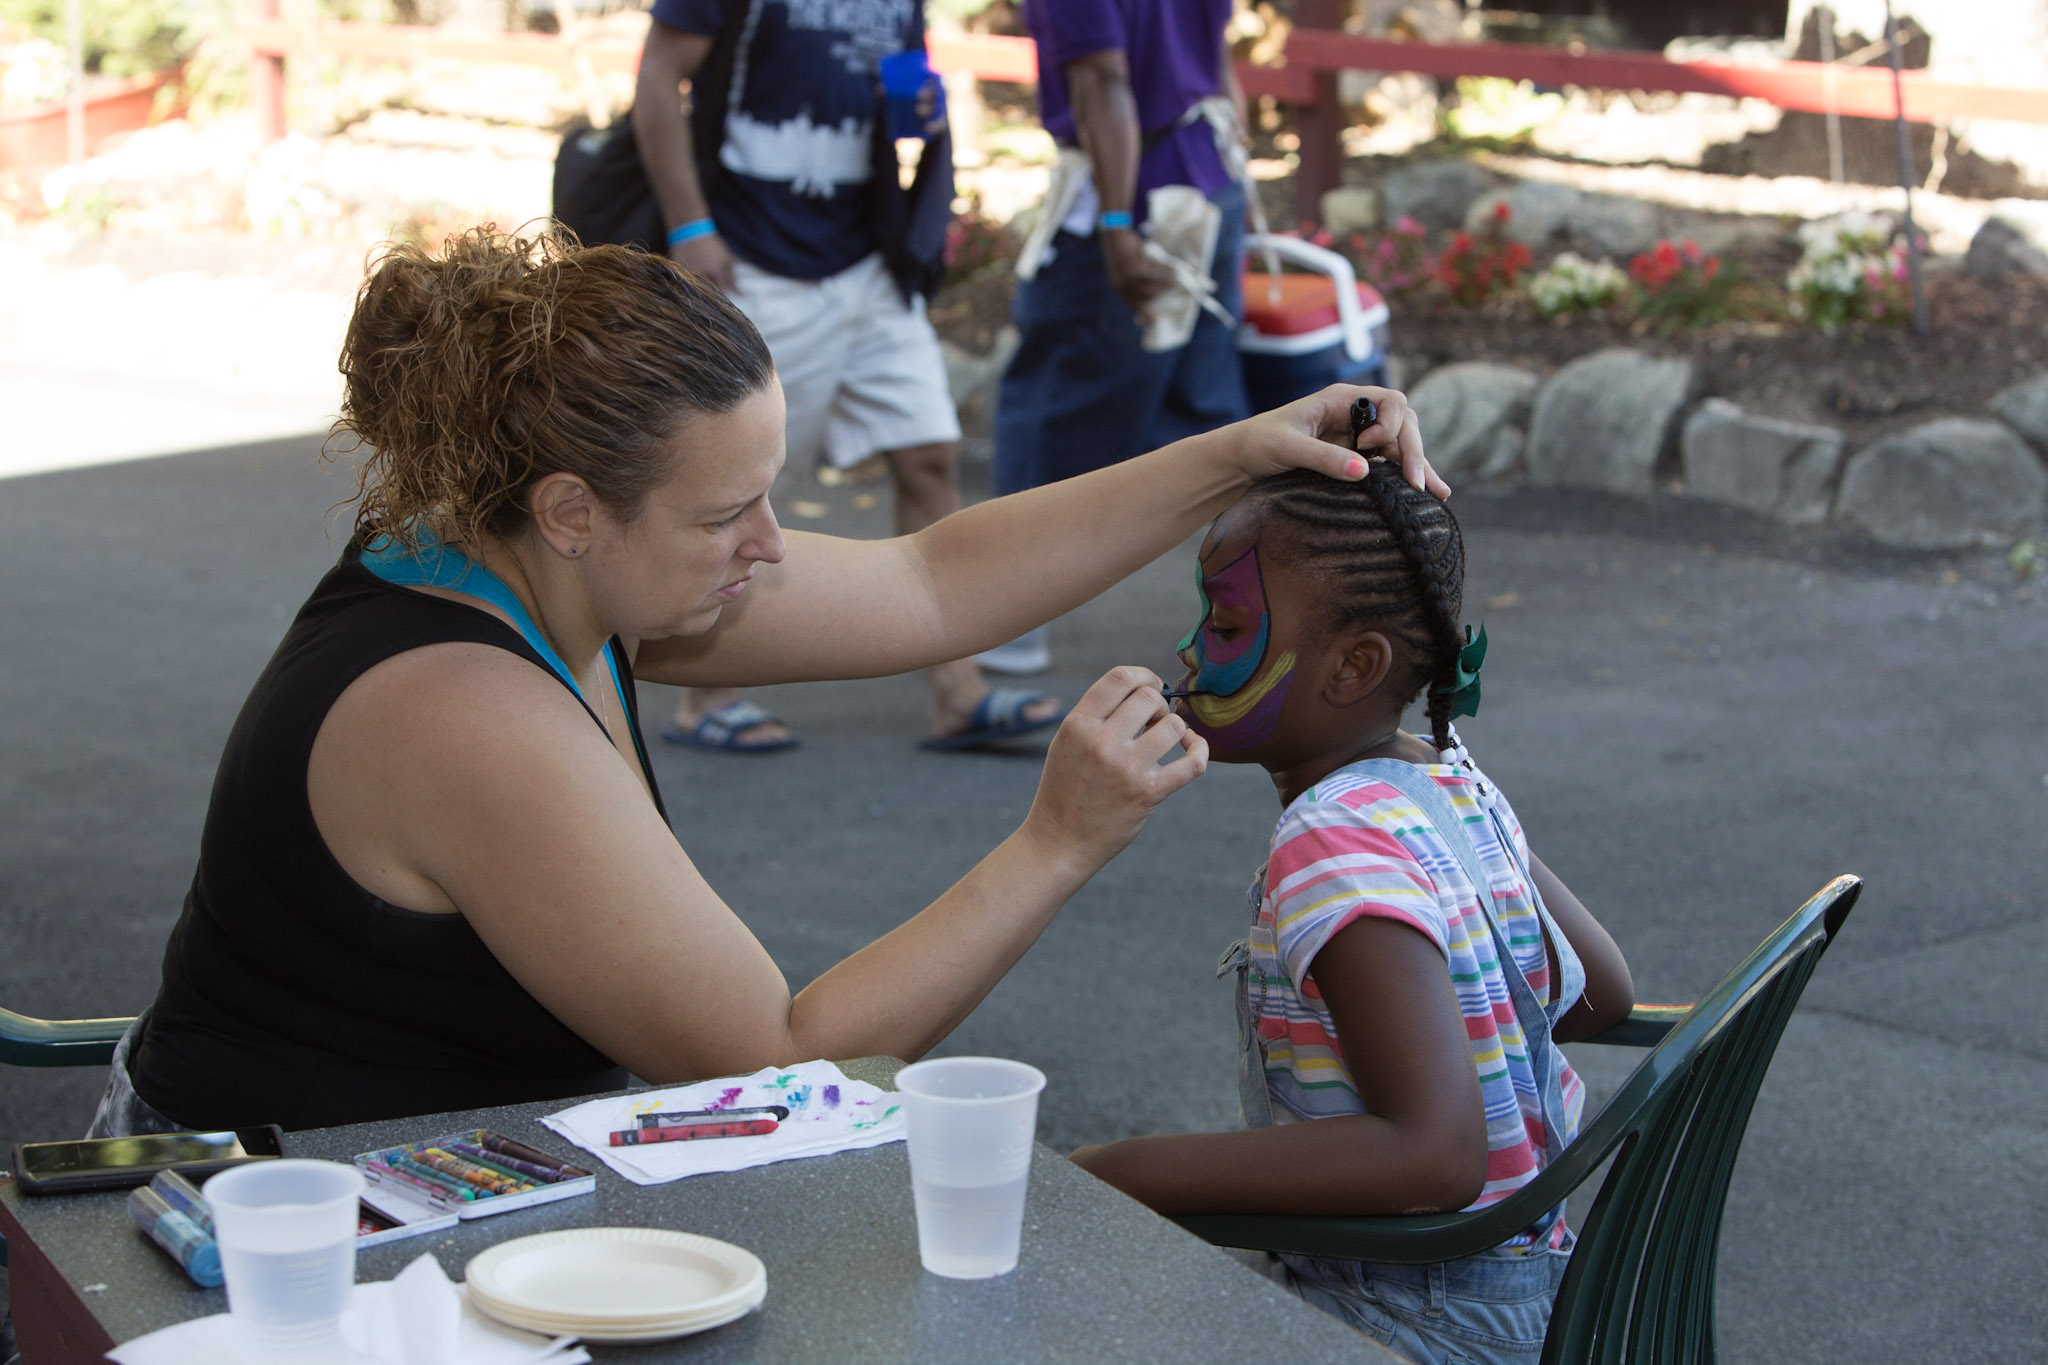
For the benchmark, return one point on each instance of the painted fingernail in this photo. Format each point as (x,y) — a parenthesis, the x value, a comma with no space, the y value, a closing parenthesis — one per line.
(1354,468)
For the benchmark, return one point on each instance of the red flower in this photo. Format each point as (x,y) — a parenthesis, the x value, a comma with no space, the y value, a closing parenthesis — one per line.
(1461,243)
(1501,211)
(1710,268)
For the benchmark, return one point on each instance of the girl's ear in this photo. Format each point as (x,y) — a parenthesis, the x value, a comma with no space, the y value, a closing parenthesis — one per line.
(1362,665)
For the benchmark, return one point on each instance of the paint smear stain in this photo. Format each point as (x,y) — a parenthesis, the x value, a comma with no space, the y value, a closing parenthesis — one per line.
(831,1097)
(798,1097)
(725,1100)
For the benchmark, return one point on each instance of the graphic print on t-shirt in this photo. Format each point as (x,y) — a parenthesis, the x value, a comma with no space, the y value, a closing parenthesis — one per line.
(811,133)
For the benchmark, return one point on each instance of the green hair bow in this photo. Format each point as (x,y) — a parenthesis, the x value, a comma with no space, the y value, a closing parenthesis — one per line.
(1464,692)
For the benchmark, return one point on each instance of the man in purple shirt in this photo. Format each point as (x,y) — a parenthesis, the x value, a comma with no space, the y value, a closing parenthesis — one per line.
(1124,81)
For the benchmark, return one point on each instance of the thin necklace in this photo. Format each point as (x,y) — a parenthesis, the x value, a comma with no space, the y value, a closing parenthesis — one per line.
(604,705)
(603,702)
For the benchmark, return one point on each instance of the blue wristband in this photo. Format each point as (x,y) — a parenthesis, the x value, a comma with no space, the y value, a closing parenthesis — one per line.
(691,231)
(1116,220)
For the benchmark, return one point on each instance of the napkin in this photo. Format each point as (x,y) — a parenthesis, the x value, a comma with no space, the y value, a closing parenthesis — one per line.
(827,1113)
(418,1318)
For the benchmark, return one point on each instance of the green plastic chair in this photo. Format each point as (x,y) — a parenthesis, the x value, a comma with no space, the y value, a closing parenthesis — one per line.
(1640,1286)
(58,1042)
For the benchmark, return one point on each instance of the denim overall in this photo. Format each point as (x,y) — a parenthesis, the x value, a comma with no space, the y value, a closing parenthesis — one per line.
(1481,1310)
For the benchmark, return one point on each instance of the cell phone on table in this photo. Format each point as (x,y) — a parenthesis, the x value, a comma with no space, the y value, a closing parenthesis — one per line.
(120,1162)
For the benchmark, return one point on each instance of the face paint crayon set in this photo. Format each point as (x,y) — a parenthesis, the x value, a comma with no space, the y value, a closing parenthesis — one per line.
(432,1183)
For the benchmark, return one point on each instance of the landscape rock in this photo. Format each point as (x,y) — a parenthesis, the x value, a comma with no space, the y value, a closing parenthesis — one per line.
(1946,485)
(1351,208)
(1505,454)
(1464,410)
(1763,465)
(1605,421)
(2013,239)
(1436,193)
(1539,211)
(2000,248)
(1612,225)
(2024,408)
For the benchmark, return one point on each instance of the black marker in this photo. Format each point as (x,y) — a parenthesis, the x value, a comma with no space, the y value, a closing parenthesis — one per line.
(1175,694)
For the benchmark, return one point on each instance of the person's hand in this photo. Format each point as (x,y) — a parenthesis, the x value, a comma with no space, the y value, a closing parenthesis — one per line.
(1315,433)
(707,256)
(1133,274)
(1120,1165)
(928,108)
(1088,1158)
(1103,776)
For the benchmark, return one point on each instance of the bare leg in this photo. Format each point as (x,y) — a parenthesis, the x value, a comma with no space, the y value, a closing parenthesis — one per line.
(927,488)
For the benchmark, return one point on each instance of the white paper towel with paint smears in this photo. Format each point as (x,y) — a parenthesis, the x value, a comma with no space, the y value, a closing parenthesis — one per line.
(827,1113)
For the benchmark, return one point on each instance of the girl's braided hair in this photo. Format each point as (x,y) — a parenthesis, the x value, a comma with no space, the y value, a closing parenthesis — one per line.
(1394,560)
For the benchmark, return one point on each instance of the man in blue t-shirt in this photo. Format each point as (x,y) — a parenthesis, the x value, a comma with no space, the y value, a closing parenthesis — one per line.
(782,222)
(1125,81)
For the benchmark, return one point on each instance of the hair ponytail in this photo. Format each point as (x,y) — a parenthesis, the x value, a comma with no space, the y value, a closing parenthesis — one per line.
(473,372)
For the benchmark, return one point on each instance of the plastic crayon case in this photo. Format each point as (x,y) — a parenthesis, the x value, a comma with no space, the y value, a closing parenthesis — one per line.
(470,1174)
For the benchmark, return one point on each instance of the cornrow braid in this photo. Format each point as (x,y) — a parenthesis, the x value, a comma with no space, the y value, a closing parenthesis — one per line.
(1395,560)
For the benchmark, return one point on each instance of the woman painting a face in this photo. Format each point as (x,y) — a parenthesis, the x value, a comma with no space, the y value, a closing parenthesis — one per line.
(436,872)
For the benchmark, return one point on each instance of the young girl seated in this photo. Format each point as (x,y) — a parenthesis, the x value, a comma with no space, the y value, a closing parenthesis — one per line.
(1409,1009)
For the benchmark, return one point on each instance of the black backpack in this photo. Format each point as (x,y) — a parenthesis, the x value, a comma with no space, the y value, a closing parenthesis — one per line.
(601,190)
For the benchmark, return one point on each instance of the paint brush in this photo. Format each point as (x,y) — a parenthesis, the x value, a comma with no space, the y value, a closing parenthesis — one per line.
(677,1118)
(1176,693)
(687,1132)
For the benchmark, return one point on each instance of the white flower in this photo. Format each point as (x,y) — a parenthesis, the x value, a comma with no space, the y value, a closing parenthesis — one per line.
(1571,283)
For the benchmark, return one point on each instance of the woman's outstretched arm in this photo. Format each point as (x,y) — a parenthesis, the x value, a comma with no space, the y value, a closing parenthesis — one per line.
(520,816)
(837,608)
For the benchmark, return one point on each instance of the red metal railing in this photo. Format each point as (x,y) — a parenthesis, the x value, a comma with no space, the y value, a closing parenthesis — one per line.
(1307,79)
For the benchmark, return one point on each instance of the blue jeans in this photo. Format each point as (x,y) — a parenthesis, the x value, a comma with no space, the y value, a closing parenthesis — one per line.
(1081,393)
(1483,1310)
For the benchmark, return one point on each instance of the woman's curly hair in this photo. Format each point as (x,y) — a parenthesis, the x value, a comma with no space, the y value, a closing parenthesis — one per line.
(475,371)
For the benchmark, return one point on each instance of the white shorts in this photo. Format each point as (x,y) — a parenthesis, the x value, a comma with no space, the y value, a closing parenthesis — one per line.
(861,370)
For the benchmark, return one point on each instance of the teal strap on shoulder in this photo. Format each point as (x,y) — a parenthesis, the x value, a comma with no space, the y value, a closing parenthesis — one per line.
(437,566)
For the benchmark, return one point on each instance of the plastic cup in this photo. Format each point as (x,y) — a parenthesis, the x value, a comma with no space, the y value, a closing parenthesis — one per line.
(970,1125)
(904,76)
(287,1237)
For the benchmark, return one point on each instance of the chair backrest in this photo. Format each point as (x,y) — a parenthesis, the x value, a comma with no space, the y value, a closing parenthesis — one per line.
(58,1042)
(1640,1286)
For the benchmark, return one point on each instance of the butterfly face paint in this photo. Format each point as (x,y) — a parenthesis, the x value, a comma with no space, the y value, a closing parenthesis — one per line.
(1239,691)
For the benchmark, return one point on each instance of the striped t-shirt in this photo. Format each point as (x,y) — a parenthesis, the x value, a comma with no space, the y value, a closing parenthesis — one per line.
(1352,846)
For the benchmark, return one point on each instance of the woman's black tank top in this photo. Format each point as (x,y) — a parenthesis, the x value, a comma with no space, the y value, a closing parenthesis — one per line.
(290,994)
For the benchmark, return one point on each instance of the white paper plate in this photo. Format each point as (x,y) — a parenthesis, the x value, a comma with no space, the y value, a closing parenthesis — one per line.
(608,1280)
(637,1332)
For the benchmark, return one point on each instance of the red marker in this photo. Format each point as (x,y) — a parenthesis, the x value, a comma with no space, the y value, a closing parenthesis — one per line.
(685,1132)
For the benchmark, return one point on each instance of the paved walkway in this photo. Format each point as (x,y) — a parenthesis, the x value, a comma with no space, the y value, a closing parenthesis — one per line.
(1699,723)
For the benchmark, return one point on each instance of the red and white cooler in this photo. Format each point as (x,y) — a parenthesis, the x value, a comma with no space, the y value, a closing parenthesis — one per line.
(1302,331)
